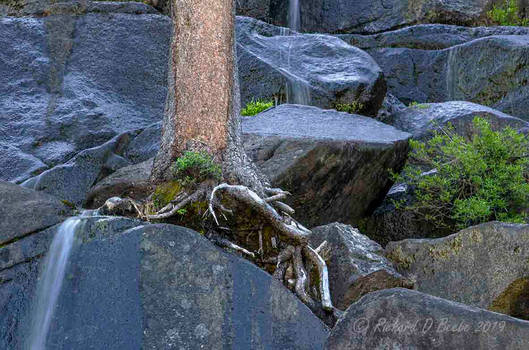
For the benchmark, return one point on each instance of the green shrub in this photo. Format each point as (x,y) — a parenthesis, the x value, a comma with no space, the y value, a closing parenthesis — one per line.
(507,14)
(195,167)
(255,107)
(478,180)
(418,105)
(351,108)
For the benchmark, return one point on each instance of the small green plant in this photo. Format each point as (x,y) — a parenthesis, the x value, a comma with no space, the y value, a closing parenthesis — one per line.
(475,180)
(255,107)
(507,14)
(195,167)
(418,105)
(351,108)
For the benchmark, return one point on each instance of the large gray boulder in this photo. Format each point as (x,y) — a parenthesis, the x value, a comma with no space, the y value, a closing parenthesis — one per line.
(23,211)
(421,120)
(77,77)
(356,265)
(156,287)
(485,266)
(405,319)
(317,70)
(476,66)
(335,164)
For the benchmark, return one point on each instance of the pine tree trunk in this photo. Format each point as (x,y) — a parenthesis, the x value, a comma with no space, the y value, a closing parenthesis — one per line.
(203,98)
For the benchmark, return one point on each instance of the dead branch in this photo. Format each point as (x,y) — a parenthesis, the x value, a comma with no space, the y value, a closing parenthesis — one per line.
(317,260)
(191,198)
(301,278)
(290,229)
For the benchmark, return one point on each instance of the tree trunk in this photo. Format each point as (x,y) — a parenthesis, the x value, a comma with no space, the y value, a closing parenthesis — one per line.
(203,98)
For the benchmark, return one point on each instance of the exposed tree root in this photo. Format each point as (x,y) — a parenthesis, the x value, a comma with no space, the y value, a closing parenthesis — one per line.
(284,252)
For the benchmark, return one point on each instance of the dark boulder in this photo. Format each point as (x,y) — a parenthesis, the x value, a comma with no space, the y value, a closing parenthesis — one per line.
(23,211)
(485,266)
(311,69)
(335,164)
(357,265)
(158,286)
(405,319)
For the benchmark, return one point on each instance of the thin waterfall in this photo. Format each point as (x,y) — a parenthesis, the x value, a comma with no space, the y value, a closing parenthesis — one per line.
(297,90)
(50,283)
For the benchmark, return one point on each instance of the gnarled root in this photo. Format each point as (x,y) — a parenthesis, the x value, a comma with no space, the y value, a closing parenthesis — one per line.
(292,261)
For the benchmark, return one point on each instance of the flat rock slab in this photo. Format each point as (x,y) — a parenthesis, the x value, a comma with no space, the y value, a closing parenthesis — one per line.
(405,319)
(336,164)
(164,286)
(485,266)
(356,265)
(24,211)
(318,70)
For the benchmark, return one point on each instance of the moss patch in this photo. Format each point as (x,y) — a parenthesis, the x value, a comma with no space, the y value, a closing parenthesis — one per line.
(514,301)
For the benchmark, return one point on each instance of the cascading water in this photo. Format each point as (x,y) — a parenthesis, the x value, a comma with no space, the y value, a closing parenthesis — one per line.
(297,90)
(294,14)
(50,283)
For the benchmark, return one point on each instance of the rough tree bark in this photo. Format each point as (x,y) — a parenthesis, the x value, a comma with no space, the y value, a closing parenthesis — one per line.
(202,115)
(203,100)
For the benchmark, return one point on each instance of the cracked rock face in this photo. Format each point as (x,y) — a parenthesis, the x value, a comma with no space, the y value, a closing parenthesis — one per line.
(485,266)
(155,286)
(68,83)
(335,164)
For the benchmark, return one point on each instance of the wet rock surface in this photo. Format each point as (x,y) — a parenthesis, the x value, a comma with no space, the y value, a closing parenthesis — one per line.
(325,158)
(481,65)
(68,83)
(318,70)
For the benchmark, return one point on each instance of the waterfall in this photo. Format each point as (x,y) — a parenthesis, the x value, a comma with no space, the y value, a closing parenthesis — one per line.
(297,89)
(50,282)
(294,15)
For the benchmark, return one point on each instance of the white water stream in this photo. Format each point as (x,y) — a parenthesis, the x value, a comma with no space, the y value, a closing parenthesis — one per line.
(297,90)
(50,283)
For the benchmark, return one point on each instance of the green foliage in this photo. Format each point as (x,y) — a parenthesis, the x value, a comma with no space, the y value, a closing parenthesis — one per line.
(507,14)
(195,167)
(255,107)
(478,180)
(418,105)
(351,108)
